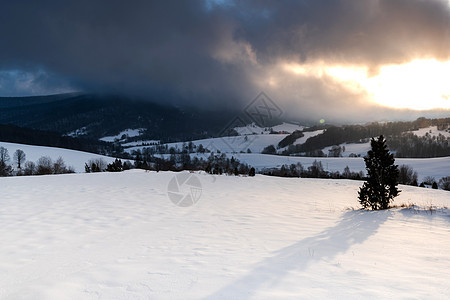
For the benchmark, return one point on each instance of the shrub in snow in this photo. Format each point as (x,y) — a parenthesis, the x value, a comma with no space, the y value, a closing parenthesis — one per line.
(95,165)
(269,150)
(59,167)
(429,180)
(251,172)
(407,175)
(316,170)
(5,170)
(44,166)
(115,166)
(382,177)
(30,168)
(444,183)
(434,185)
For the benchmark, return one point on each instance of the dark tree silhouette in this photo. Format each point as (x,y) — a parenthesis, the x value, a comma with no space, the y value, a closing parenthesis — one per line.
(5,168)
(44,166)
(115,166)
(19,158)
(382,177)
(269,150)
(444,183)
(407,175)
(4,155)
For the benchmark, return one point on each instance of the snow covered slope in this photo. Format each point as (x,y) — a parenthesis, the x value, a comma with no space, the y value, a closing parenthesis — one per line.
(231,144)
(127,132)
(118,236)
(73,158)
(255,129)
(432,131)
(306,136)
(360,149)
(256,142)
(435,167)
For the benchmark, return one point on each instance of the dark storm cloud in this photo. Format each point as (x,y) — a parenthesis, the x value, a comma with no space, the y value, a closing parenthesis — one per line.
(366,31)
(15,83)
(118,46)
(210,53)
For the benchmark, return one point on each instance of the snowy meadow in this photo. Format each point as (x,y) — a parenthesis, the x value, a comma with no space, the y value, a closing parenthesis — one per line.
(119,236)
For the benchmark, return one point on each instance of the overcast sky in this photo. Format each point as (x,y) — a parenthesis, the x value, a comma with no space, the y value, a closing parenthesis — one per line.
(217,53)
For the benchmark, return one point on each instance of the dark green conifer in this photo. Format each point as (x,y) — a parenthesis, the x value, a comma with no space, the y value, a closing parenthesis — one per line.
(382,177)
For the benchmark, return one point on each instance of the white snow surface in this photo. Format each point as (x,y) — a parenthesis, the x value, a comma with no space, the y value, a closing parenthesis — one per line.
(235,144)
(355,148)
(255,129)
(127,132)
(307,135)
(251,129)
(230,144)
(288,127)
(73,158)
(118,236)
(435,167)
(432,131)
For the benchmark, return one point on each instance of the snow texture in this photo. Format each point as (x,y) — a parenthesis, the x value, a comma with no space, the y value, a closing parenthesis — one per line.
(118,236)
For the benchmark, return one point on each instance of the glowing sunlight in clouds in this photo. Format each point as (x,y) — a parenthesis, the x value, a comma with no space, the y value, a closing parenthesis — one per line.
(419,85)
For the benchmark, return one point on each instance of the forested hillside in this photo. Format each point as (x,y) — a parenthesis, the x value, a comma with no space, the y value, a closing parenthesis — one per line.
(398,136)
(101,115)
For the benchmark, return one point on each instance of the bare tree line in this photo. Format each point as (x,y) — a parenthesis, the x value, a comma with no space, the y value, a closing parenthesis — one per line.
(43,166)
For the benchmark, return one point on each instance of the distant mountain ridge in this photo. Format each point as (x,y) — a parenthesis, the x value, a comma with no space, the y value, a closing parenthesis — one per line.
(102,115)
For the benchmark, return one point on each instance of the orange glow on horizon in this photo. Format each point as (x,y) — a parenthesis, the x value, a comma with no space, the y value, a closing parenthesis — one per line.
(418,85)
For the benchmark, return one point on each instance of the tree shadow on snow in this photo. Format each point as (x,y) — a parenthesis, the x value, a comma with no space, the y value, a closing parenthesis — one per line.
(354,228)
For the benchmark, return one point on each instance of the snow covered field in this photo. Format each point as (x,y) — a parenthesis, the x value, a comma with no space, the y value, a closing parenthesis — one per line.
(250,137)
(118,236)
(255,129)
(230,144)
(432,131)
(435,167)
(73,158)
(256,139)
(126,132)
(353,148)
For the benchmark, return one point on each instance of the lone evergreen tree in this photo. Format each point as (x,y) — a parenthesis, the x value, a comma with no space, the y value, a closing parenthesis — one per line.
(381,185)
